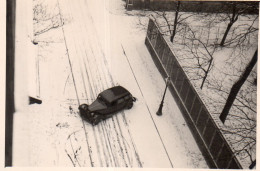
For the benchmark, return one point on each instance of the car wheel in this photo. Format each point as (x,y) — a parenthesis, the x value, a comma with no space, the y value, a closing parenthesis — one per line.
(130,105)
(96,120)
(83,107)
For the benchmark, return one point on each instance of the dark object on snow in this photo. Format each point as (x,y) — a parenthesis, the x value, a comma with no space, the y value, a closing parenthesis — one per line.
(107,103)
(33,100)
(35,42)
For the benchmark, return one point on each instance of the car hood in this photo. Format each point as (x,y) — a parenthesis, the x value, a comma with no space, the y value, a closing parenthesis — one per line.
(96,105)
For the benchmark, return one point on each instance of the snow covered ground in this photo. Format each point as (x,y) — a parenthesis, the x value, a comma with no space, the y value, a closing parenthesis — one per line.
(195,43)
(98,46)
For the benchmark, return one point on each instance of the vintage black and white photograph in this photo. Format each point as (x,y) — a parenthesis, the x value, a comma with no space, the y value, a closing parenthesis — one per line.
(131,84)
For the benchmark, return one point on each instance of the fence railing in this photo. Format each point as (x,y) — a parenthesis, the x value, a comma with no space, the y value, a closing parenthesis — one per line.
(188,6)
(212,143)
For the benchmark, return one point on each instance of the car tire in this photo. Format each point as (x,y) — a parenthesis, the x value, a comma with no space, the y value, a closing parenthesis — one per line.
(83,107)
(130,105)
(96,120)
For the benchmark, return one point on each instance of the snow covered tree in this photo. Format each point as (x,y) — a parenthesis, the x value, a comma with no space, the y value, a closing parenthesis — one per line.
(236,87)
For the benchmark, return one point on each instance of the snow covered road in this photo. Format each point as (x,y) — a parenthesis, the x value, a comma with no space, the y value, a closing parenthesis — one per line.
(97,48)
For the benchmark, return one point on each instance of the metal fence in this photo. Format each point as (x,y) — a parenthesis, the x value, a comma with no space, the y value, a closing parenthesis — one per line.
(190,6)
(214,146)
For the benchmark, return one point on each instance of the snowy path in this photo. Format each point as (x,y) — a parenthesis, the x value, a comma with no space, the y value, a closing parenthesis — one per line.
(93,52)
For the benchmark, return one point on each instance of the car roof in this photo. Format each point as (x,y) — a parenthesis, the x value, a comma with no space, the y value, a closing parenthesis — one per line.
(114,93)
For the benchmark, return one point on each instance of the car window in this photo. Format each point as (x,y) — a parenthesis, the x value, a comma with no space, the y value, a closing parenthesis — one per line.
(126,97)
(113,103)
(120,101)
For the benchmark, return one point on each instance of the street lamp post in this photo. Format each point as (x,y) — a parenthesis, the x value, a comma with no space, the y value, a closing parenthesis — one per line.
(159,112)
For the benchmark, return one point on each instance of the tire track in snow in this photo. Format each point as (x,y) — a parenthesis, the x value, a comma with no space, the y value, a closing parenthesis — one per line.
(89,74)
(94,130)
(102,85)
(132,142)
(124,144)
(72,147)
(119,133)
(107,126)
(108,144)
(94,81)
(111,80)
(89,70)
(91,95)
(105,146)
(105,73)
(90,157)
(125,121)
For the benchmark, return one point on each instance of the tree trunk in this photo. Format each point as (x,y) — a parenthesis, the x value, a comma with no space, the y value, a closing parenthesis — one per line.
(236,87)
(175,21)
(226,33)
(233,19)
(206,73)
(252,164)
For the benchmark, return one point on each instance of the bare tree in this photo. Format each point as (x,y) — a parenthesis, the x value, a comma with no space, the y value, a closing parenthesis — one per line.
(175,21)
(232,19)
(201,52)
(197,55)
(45,20)
(240,127)
(238,8)
(168,25)
(242,34)
(252,164)
(236,87)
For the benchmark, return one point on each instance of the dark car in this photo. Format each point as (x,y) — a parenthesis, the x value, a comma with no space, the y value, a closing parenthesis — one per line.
(107,103)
